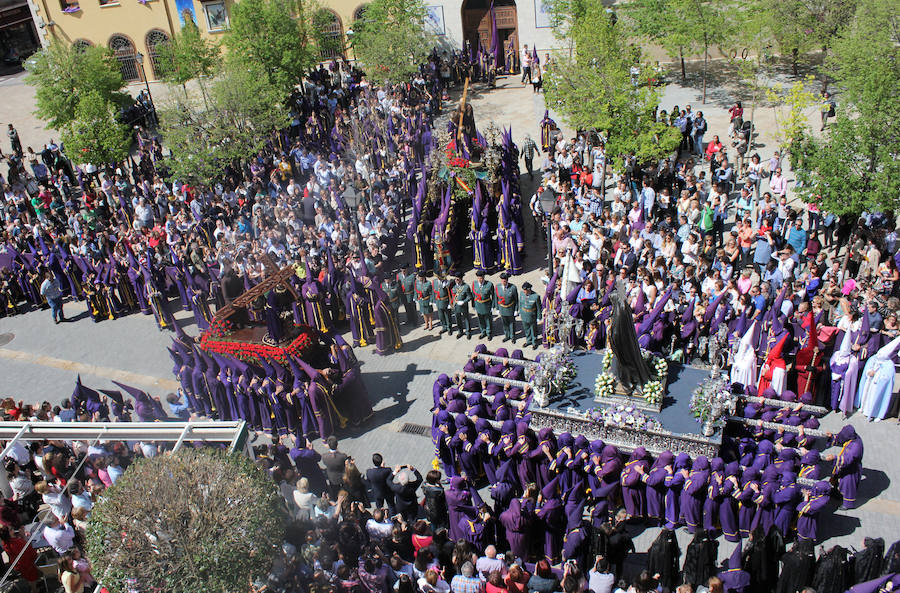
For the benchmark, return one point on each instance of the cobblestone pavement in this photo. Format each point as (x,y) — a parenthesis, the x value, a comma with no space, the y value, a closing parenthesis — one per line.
(41,360)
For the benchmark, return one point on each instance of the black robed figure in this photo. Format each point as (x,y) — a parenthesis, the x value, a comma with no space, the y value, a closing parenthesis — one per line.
(628,366)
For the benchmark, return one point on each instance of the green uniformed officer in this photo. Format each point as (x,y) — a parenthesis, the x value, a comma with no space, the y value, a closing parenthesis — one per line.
(423,298)
(507,303)
(483,295)
(460,295)
(530,312)
(391,288)
(407,282)
(440,288)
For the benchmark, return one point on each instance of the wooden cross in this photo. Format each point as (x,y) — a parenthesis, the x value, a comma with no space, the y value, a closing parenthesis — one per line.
(274,277)
(462,111)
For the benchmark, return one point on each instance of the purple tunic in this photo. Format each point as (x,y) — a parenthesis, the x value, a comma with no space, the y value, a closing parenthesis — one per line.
(785,500)
(694,493)
(715,497)
(632,485)
(674,483)
(459,506)
(517,520)
(808,510)
(656,487)
(728,517)
(848,464)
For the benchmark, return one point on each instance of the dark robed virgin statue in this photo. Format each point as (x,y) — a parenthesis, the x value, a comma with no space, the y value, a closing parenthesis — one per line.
(628,366)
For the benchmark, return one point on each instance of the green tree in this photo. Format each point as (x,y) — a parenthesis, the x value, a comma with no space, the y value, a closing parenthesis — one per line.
(564,13)
(791,28)
(594,90)
(274,35)
(792,108)
(800,26)
(243,111)
(198,521)
(683,28)
(855,165)
(63,74)
(188,56)
(96,134)
(390,41)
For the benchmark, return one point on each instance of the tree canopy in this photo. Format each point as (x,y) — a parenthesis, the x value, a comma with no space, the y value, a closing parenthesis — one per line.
(63,74)
(390,40)
(188,56)
(273,34)
(197,521)
(855,166)
(682,27)
(594,90)
(242,112)
(96,134)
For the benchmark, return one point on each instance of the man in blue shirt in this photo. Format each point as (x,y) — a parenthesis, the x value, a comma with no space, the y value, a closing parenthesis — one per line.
(796,236)
(648,199)
(725,175)
(759,301)
(684,229)
(720,213)
(765,244)
(773,275)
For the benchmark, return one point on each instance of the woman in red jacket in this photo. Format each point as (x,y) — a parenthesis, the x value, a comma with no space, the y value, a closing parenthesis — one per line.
(25,566)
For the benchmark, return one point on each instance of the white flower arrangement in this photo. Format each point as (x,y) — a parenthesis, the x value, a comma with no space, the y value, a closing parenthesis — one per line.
(662,368)
(604,385)
(607,359)
(653,392)
(623,416)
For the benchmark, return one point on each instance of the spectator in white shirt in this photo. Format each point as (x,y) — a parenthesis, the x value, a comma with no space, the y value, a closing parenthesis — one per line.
(600,579)
(18,453)
(379,527)
(19,482)
(490,563)
(60,535)
(81,498)
(59,502)
(433,583)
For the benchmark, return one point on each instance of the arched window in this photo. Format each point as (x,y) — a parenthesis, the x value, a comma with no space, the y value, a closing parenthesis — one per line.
(124,51)
(154,40)
(331,34)
(80,45)
(359,12)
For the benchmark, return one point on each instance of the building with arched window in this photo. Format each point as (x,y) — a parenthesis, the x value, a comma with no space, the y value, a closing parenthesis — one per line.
(136,29)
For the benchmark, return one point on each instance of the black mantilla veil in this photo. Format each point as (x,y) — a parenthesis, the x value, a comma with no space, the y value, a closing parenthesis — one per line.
(629,365)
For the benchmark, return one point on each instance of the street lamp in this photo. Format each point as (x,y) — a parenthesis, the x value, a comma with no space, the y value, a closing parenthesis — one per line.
(140,60)
(547,199)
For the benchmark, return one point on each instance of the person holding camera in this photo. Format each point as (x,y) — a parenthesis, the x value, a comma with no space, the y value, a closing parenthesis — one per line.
(407,480)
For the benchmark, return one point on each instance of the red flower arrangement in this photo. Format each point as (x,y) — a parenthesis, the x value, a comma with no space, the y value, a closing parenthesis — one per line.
(219,328)
(250,352)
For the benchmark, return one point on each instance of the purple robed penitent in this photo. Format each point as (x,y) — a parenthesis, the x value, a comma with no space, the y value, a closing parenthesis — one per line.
(848,464)
(459,505)
(656,486)
(694,493)
(728,518)
(552,515)
(632,484)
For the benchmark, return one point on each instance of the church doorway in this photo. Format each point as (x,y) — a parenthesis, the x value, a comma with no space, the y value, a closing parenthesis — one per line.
(476,21)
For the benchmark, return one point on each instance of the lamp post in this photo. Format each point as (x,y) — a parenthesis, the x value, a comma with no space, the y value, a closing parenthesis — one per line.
(140,61)
(548,203)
